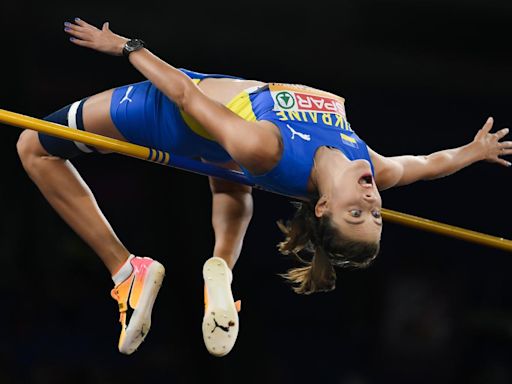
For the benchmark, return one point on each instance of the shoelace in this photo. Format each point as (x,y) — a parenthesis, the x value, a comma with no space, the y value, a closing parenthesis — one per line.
(122,306)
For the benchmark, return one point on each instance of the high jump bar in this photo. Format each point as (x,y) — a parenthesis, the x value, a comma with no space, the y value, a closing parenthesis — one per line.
(191,165)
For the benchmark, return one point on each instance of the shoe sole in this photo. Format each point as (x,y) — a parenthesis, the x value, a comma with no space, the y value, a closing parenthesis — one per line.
(220,321)
(140,321)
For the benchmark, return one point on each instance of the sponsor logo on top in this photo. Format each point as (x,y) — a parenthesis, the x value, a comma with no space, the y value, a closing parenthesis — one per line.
(285,100)
(298,101)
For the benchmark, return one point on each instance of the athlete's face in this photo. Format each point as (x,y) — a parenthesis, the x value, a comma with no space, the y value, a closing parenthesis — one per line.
(355,204)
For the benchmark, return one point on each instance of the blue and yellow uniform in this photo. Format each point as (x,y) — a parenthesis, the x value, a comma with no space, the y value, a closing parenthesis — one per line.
(145,116)
(306,117)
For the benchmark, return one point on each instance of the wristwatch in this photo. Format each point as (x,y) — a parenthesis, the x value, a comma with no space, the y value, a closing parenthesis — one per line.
(132,46)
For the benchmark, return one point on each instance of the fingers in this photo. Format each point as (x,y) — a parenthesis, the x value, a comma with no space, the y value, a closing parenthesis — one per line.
(82,23)
(87,35)
(82,32)
(78,31)
(75,33)
(503,162)
(80,28)
(486,129)
(495,148)
(81,43)
(505,149)
(501,133)
(488,125)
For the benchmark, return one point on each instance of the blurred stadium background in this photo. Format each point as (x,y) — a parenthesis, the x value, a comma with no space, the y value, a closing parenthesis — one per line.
(418,76)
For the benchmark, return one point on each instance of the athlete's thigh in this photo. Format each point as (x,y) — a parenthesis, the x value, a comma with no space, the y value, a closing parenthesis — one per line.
(96,116)
(90,114)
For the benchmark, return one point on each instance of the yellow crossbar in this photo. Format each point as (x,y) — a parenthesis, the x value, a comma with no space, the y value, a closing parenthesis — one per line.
(22,121)
(446,230)
(92,139)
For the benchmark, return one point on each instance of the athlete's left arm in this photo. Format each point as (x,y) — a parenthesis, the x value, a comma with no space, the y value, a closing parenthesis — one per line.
(402,170)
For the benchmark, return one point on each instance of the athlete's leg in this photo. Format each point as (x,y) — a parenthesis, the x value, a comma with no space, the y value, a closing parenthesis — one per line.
(231,213)
(137,279)
(232,208)
(67,192)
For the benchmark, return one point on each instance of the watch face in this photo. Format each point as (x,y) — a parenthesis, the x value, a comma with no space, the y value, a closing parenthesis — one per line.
(133,44)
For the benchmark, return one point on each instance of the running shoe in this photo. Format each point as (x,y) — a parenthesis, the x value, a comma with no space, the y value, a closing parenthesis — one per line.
(136,296)
(220,321)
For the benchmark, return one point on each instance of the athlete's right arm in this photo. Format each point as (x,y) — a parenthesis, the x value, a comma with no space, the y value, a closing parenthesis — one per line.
(242,139)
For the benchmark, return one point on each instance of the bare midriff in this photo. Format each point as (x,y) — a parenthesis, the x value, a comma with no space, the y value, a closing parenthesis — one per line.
(224,90)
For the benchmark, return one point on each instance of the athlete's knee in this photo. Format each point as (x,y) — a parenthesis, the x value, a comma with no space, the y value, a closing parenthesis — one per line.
(25,145)
(29,149)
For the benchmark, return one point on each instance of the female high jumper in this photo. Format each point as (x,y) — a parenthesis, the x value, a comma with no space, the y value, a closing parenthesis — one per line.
(288,138)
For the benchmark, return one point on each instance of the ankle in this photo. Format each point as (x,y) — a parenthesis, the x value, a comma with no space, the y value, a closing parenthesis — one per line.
(123,271)
(114,258)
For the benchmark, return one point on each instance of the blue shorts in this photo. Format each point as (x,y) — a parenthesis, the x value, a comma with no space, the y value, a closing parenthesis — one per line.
(145,116)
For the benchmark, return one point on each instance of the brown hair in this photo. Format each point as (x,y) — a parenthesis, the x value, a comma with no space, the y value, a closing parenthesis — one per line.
(317,236)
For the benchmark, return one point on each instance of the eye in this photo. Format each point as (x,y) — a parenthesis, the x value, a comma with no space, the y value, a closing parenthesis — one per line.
(355,212)
(376,214)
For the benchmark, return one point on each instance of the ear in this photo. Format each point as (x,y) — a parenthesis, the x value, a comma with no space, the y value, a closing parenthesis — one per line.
(322,206)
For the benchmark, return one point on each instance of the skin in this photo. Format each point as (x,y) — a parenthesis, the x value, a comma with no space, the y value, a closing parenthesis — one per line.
(353,206)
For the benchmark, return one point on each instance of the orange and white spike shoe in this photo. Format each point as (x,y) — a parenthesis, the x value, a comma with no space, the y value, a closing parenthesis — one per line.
(136,295)
(220,321)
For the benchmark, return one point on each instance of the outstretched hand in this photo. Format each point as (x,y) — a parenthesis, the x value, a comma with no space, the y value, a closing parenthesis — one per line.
(490,146)
(102,40)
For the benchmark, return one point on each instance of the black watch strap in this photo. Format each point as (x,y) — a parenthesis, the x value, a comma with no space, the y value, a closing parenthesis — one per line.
(132,46)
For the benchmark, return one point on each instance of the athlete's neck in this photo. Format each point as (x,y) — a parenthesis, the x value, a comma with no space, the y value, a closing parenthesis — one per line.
(327,164)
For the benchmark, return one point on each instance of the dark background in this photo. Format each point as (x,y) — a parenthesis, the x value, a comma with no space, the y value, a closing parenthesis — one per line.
(418,76)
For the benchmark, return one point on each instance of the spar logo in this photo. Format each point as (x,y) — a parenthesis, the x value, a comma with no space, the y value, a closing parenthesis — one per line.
(308,102)
(285,100)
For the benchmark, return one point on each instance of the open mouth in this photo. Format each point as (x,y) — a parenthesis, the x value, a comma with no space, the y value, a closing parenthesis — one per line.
(366,180)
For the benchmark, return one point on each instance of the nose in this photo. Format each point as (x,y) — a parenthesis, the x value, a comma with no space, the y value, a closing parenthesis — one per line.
(369,196)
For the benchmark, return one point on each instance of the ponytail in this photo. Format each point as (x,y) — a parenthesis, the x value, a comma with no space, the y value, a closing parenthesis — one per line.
(317,276)
(302,235)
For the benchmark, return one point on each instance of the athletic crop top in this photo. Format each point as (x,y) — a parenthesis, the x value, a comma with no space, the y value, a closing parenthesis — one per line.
(307,119)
